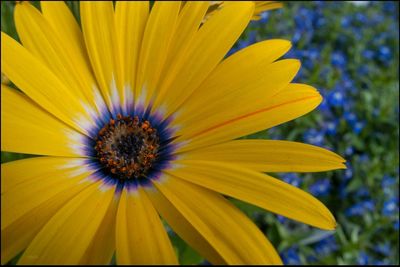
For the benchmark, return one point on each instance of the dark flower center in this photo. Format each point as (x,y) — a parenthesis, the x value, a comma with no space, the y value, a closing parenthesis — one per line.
(127,147)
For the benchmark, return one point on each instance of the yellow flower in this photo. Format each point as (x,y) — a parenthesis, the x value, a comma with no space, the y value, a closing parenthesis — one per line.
(259,7)
(136,116)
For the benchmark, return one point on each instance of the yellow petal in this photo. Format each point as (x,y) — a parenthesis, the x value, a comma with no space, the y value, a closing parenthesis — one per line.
(246,74)
(102,45)
(189,20)
(30,198)
(226,228)
(102,247)
(157,37)
(182,227)
(207,49)
(262,6)
(290,103)
(141,237)
(130,22)
(59,16)
(270,156)
(27,128)
(246,91)
(58,53)
(36,80)
(67,235)
(256,188)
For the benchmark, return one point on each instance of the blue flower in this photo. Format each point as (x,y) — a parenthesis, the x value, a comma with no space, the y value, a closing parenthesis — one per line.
(390,207)
(389,7)
(368,54)
(314,137)
(281,219)
(324,107)
(264,18)
(363,70)
(331,127)
(320,188)
(360,208)
(363,258)
(326,246)
(361,18)
(363,191)
(291,256)
(338,59)
(383,249)
(350,117)
(349,151)
(384,53)
(292,178)
(345,22)
(336,98)
(388,181)
(358,127)
(348,173)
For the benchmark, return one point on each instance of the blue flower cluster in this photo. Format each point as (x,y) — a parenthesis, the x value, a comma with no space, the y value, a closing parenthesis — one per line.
(349,51)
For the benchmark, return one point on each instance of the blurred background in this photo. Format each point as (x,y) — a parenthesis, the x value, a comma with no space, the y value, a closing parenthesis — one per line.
(350,53)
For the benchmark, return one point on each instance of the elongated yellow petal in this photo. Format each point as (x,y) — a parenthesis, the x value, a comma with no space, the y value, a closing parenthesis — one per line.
(28,192)
(258,189)
(182,227)
(141,237)
(27,128)
(41,84)
(59,16)
(130,22)
(102,247)
(226,228)
(262,6)
(98,28)
(67,235)
(270,156)
(207,49)
(247,73)
(157,37)
(189,20)
(30,198)
(290,103)
(59,54)
(243,92)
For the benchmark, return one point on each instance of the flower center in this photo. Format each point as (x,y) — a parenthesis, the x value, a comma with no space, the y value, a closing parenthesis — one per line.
(127,147)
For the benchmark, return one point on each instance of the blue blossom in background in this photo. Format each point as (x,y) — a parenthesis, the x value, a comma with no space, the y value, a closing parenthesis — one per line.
(363,191)
(360,208)
(348,173)
(388,181)
(363,258)
(290,256)
(390,207)
(338,60)
(326,246)
(292,178)
(336,98)
(331,127)
(384,54)
(383,249)
(368,54)
(314,137)
(320,188)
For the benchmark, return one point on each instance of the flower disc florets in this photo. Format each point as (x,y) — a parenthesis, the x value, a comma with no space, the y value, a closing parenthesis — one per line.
(127,147)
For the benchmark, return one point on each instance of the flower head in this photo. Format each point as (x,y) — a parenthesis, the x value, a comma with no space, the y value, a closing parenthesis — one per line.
(135,114)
